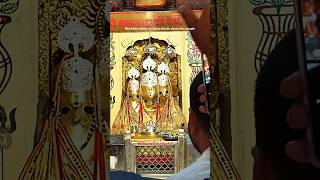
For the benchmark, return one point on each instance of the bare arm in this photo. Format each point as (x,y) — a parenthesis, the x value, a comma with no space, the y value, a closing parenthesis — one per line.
(201,34)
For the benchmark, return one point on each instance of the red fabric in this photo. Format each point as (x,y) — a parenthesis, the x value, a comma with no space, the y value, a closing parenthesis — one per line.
(60,163)
(140,114)
(161,159)
(101,158)
(129,118)
(95,175)
(99,166)
(158,111)
(168,108)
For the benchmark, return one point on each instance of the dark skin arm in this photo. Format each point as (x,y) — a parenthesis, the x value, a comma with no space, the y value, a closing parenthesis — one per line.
(201,34)
(296,117)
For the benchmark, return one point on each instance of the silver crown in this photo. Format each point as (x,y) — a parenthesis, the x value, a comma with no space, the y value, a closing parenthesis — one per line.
(163,68)
(76,34)
(77,76)
(133,73)
(149,64)
(149,78)
(150,48)
(163,80)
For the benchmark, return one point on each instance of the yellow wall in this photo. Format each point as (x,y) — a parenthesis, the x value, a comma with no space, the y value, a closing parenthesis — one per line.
(177,38)
(244,29)
(20,38)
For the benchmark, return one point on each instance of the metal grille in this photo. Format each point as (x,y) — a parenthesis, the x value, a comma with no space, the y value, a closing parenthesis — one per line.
(155,159)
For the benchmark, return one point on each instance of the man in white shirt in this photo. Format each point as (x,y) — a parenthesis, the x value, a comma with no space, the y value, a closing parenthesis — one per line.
(199,130)
(199,123)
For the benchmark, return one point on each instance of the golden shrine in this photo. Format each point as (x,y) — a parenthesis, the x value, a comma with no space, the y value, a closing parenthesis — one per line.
(150,91)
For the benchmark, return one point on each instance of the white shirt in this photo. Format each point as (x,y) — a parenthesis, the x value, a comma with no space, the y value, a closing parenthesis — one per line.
(199,170)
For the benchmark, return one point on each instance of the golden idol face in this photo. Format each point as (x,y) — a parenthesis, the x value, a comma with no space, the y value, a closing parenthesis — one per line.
(149,93)
(163,91)
(133,88)
(74,112)
(133,93)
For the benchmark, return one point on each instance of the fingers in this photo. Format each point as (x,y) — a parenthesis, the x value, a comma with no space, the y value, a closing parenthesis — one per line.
(201,34)
(206,3)
(290,87)
(188,15)
(202,98)
(181,2)
(201,89)
(203,109)
(296,117)
(298,151)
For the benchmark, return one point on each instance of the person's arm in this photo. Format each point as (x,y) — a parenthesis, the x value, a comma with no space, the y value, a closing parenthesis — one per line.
(201,34)
(296,118)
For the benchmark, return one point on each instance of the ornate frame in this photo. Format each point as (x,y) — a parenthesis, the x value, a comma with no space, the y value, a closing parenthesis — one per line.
(220,103)
(220,71)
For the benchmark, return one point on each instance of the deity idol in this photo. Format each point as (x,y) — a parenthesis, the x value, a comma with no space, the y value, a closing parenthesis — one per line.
(149,105)
(71,145)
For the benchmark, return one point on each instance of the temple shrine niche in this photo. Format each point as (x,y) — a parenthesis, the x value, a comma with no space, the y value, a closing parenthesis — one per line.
(150,91)
(138,122)
(153,61)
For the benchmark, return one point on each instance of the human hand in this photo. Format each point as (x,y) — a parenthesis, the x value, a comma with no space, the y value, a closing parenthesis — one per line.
(201,34)
(194,3)
(183,5)
(290,88)
(203,98)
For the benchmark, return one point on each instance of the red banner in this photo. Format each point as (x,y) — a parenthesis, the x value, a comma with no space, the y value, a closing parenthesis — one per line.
(139,21)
